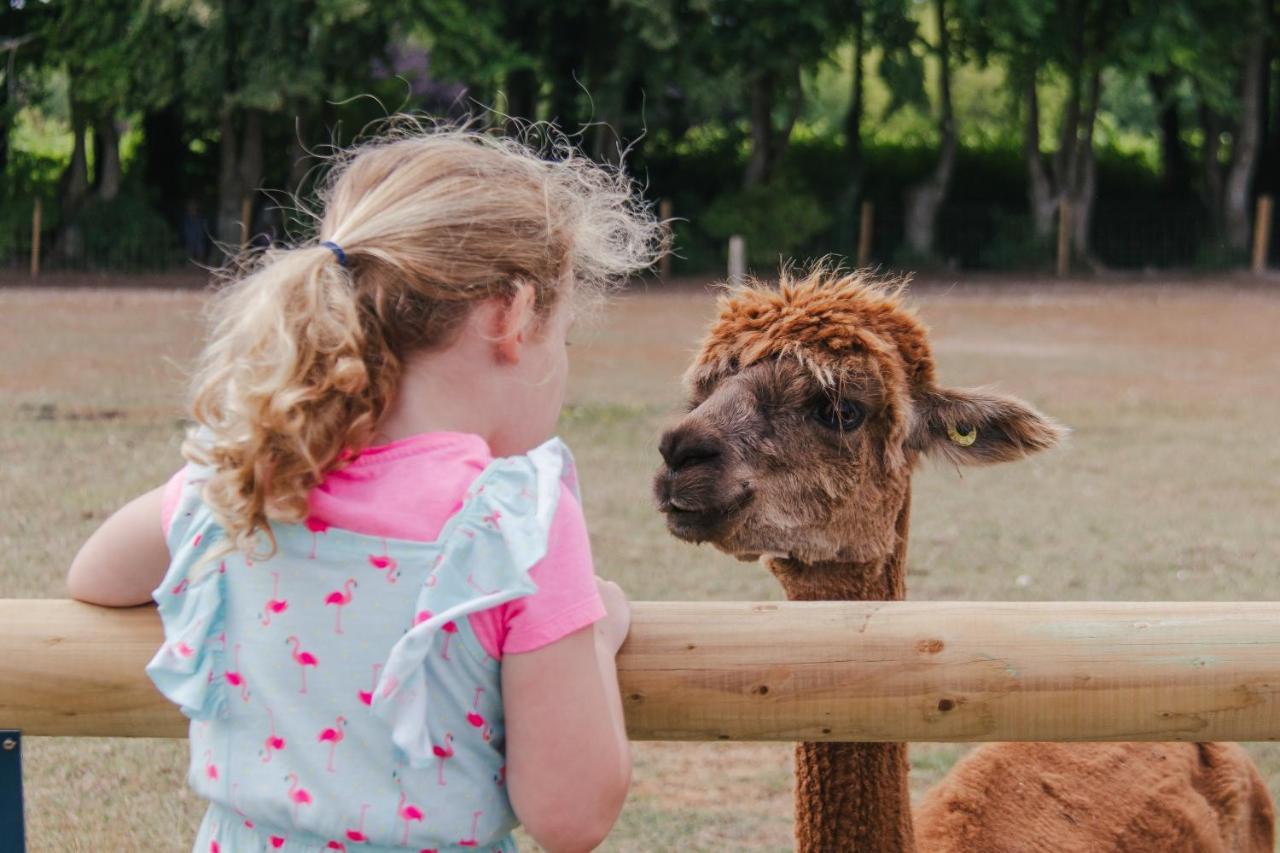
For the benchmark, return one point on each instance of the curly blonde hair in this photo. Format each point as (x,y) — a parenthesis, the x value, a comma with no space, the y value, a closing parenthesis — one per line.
(306,353)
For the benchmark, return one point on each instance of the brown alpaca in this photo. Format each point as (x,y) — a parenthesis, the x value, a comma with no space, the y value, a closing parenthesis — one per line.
(810,404)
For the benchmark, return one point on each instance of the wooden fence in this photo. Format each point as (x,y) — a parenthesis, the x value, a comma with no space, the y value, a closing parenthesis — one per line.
(867,671)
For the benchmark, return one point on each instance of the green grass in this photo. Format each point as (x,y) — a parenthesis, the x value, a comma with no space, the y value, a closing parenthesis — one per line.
(1166,491)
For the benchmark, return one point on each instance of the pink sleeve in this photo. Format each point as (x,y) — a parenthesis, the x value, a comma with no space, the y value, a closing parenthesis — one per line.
(566,600)
(169,499)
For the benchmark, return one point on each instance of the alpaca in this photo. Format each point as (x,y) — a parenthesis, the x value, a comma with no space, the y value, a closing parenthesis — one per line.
(810,404)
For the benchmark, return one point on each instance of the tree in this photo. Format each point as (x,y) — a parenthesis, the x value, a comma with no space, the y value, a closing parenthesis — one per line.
(765,45)
(923,200)
(250,67)
(1076,40)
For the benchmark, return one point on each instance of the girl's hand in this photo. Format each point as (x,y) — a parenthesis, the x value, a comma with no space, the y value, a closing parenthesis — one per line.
(612,629)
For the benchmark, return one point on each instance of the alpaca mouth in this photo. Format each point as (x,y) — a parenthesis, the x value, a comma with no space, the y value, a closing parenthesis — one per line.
(693,523)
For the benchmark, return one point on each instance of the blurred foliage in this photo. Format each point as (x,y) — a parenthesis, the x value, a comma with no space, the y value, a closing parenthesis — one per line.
(736,110)
(777,220)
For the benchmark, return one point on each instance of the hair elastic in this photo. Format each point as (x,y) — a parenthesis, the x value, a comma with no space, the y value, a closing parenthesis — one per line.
(337,250)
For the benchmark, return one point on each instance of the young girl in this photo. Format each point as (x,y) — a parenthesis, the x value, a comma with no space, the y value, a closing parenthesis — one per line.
(379,605)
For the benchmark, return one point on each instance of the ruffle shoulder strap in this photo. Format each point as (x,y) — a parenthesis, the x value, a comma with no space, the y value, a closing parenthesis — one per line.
(190,601)
(487,550)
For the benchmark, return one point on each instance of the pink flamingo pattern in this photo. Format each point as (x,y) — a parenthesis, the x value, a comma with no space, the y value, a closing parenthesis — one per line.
(357,835)
(180,587)
(408,813)
(443,754)
(384,562)
(493,518)
(234,676)
(333,736)
(274,743)
(302,658)
(298,795)
(366,696)
(471,841)
(316,526)
(275,604)
(340,598)
(450,628)
(210,769)
(475,718)
(235,788)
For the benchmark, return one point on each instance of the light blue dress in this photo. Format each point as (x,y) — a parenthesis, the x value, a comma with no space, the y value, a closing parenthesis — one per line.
(338,697)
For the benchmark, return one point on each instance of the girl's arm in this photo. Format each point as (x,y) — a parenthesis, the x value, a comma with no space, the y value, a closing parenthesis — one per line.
(125,559)
(568,759)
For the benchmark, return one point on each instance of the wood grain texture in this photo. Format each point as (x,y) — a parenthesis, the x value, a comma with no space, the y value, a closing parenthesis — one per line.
(839,671)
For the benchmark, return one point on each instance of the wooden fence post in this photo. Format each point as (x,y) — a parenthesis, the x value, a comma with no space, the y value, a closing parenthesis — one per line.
(864,233)
(737,259)
(664,215)
(1261,234)
(1064,237)
(35,237)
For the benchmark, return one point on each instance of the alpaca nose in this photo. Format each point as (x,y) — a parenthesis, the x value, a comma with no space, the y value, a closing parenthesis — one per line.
(683,448)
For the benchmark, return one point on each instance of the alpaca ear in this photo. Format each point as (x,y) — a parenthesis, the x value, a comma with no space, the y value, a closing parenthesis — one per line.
(972,427)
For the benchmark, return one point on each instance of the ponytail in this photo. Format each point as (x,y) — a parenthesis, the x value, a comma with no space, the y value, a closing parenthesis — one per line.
(295,375)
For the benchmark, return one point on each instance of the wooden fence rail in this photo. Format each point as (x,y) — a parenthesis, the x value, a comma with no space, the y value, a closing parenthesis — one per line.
(871,671)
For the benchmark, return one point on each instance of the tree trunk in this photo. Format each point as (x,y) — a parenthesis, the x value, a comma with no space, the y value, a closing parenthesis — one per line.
(164,156)
(760,95)
(1081,192)
(228,224)
(5,121)
(107,167)
(1175,167)
(567,61)
(251,164)
(75,180)
(782,138)
(606,84)
(522,96)
(1066,164)
(924,199)
(1042,200)
(1244,147)
(853,119)
(1211,168)
(69,243)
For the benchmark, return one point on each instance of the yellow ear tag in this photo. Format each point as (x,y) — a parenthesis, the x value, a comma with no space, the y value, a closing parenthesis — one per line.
(963,435)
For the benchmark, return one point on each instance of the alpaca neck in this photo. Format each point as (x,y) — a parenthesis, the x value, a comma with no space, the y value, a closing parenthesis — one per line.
(851,796)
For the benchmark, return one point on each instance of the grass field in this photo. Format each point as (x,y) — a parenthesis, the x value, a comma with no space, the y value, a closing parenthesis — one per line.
(1168,489)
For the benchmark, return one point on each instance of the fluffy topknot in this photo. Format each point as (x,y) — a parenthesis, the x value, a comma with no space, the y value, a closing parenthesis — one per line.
(819,317)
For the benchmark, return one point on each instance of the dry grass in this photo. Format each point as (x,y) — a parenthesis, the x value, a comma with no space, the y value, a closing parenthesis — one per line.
(1166,491)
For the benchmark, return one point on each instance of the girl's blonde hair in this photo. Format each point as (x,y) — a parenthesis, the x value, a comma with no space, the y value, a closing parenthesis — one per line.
(307,353)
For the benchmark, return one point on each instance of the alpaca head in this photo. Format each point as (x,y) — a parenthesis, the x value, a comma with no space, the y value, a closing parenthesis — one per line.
(809,405)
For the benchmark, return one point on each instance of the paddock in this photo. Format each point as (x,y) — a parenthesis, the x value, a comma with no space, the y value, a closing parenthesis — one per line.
(1165,493)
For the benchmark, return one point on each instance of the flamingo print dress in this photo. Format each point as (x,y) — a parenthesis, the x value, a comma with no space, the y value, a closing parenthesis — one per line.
(338,696)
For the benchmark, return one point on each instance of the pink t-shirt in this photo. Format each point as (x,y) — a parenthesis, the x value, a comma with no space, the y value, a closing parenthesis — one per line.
(409,488)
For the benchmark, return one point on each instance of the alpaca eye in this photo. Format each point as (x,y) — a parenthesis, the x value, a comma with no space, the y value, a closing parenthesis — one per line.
(841,415)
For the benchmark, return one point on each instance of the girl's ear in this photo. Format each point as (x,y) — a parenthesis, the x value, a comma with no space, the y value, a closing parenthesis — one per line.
(513,319)
(972,427)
